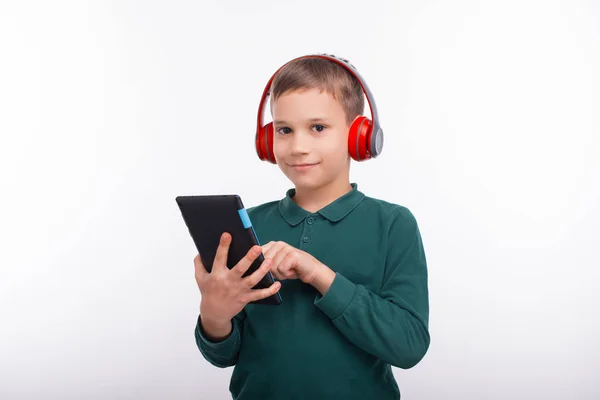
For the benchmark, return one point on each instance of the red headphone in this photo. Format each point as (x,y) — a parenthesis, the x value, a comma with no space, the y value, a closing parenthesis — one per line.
(365,139)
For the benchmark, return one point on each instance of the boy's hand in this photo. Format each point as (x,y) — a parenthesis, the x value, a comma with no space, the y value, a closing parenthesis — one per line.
(292,263)
(225,292)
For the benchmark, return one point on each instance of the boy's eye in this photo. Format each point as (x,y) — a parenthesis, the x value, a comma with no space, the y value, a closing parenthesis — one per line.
(284,130)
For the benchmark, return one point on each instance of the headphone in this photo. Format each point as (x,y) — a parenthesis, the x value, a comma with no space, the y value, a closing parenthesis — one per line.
(365,139)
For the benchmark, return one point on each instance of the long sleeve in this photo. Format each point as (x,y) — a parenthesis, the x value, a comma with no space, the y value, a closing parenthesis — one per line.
(224,353)
(393,324)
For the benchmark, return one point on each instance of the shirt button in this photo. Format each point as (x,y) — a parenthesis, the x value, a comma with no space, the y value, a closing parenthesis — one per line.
(309,220)
(306,239)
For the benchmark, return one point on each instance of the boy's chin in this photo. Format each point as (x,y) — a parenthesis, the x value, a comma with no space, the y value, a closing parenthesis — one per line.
(303,182)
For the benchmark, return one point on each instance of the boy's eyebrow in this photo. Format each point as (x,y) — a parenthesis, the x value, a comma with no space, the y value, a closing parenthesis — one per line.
(318,119)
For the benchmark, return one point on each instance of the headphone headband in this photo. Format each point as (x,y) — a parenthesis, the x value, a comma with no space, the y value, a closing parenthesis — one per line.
(340,61)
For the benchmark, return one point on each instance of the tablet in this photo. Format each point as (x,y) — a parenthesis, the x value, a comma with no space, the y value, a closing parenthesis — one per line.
(207,217)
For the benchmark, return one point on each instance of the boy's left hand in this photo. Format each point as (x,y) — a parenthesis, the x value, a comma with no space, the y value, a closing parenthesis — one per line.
(291,263)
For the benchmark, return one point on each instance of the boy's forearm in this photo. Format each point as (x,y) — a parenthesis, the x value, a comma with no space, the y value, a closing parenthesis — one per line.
(376,325)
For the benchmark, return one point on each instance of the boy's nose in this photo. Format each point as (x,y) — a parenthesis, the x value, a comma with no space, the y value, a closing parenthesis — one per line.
(300,143)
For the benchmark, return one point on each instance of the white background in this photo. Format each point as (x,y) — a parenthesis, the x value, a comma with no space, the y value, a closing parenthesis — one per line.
(109,110)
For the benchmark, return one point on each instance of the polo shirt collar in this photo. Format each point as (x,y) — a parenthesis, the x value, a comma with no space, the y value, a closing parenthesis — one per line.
(335,211)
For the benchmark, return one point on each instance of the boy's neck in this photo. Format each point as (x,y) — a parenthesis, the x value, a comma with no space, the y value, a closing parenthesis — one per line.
(312,200)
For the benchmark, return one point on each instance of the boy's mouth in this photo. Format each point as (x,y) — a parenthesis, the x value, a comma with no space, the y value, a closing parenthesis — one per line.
(302,166)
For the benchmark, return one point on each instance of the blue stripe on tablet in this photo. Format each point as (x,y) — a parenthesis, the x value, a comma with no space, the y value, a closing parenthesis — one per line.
(245,218)
(255,237)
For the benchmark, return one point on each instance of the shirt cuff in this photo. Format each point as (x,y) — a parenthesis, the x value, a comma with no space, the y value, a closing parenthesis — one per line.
(221,344)
(337,298)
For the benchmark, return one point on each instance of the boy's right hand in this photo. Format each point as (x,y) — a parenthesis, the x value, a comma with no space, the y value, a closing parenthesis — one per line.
(224,292)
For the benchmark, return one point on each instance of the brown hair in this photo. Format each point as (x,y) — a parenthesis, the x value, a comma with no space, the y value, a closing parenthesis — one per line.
(320,73)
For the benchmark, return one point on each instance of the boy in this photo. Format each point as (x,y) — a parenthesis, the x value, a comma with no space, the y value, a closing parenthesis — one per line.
(351,269)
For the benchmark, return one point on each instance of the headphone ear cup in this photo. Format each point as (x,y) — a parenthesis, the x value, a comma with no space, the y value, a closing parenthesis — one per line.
(264,143)
(359,138)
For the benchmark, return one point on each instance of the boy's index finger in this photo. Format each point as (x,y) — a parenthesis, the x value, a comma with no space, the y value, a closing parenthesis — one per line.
(266,247)
(222,251)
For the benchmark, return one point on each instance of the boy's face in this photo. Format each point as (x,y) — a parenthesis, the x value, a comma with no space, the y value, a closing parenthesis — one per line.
(310,138)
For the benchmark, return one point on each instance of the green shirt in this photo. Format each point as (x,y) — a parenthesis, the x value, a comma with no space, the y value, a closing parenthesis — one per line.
(340,345)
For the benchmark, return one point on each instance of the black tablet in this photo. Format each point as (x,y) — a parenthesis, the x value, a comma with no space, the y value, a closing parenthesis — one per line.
(208,217)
